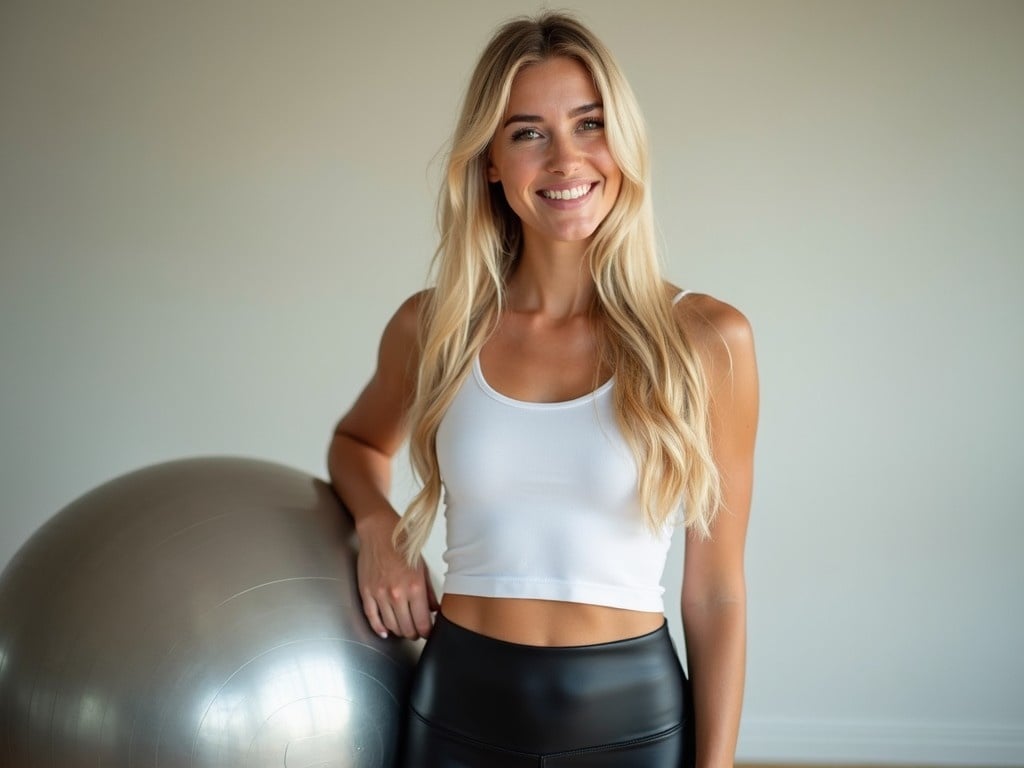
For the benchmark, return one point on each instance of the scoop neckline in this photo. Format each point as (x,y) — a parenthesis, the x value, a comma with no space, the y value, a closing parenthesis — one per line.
(478,374)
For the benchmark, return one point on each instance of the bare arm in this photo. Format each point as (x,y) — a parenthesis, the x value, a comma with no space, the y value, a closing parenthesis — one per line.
(714,587)
(396,598)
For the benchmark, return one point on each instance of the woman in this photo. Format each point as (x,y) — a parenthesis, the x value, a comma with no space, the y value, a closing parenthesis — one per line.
(564,401)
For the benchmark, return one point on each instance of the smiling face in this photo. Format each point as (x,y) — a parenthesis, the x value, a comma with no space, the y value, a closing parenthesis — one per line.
(550,154)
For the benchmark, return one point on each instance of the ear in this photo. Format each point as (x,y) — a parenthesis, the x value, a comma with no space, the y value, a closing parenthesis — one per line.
(492,170)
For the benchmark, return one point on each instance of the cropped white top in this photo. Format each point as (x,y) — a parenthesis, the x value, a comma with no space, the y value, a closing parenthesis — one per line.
(541,501)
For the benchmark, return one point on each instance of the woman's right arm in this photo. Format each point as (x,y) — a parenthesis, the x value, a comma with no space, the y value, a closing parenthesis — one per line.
(396,599)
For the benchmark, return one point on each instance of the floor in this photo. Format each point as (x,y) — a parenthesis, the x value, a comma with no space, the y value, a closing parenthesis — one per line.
(827,765)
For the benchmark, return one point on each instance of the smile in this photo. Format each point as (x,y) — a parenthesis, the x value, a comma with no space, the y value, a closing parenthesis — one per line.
(573,193)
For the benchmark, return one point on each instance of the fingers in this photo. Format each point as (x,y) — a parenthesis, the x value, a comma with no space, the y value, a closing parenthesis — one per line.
(407,626)
(432,602)
(373,617)
(421,612)
(403,612)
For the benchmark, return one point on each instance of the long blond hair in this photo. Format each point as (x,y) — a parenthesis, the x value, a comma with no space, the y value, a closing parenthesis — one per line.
(660,394)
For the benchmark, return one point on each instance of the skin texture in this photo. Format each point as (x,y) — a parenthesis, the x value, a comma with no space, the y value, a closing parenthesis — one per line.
(714,587)
(552,138)
(545,350)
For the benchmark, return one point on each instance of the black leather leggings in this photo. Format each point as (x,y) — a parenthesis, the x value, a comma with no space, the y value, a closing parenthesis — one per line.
(478,702)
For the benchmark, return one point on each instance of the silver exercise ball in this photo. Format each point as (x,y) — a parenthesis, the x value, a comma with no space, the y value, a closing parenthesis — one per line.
(197,613)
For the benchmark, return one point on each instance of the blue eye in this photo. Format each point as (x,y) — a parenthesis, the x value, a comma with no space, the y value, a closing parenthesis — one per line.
(525,133)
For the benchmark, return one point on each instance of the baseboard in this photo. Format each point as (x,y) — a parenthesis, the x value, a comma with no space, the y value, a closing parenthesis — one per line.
(838,742)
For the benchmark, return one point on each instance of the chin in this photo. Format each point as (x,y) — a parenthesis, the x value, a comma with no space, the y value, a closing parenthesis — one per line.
(577,235)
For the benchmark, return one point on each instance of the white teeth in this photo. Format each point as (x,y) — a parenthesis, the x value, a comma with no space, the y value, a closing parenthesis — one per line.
(566,194)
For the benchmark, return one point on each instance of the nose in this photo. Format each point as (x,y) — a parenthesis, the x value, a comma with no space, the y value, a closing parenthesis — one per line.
(564,156)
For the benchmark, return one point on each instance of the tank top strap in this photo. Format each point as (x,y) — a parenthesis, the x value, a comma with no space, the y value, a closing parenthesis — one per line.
(678,297)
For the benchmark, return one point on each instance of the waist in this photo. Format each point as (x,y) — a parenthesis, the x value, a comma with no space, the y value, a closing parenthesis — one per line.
(551,623)
(547,699)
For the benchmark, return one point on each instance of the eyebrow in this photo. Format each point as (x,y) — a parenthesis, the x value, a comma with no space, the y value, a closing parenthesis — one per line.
(538,119)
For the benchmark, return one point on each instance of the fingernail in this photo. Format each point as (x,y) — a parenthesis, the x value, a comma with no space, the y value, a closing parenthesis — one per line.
(383,635)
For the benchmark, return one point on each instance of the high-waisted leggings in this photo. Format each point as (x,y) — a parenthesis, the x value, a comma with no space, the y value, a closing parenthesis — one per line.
(478,702)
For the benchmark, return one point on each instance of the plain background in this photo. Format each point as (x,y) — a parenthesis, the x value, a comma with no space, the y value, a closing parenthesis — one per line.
(209,210)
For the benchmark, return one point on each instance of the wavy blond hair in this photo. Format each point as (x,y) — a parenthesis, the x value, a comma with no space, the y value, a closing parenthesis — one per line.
(660,394)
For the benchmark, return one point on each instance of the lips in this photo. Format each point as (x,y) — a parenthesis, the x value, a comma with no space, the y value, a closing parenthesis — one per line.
(567,193)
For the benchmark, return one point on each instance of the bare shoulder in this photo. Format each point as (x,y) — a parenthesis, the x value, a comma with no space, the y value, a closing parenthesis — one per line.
(701,315)
(720,334)
(406,320)
(401,335)
(398,354)
(376,417)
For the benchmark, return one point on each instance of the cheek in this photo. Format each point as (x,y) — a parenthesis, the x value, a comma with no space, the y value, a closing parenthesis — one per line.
(522,206)
(514,196)
(517,181)
(521,171)
(606,165)
(614,174)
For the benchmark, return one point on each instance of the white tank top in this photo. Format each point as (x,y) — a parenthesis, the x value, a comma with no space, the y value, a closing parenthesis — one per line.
(541,501)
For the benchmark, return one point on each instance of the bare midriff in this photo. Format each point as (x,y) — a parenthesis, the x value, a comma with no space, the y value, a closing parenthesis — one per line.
(547,622)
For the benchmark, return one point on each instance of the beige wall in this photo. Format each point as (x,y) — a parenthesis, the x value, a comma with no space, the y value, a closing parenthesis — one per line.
(209,210)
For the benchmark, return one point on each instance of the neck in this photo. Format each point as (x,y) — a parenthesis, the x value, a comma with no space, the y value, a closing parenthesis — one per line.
(554,281)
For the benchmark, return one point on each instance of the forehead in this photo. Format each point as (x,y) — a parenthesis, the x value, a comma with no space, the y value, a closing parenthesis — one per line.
(554,85)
